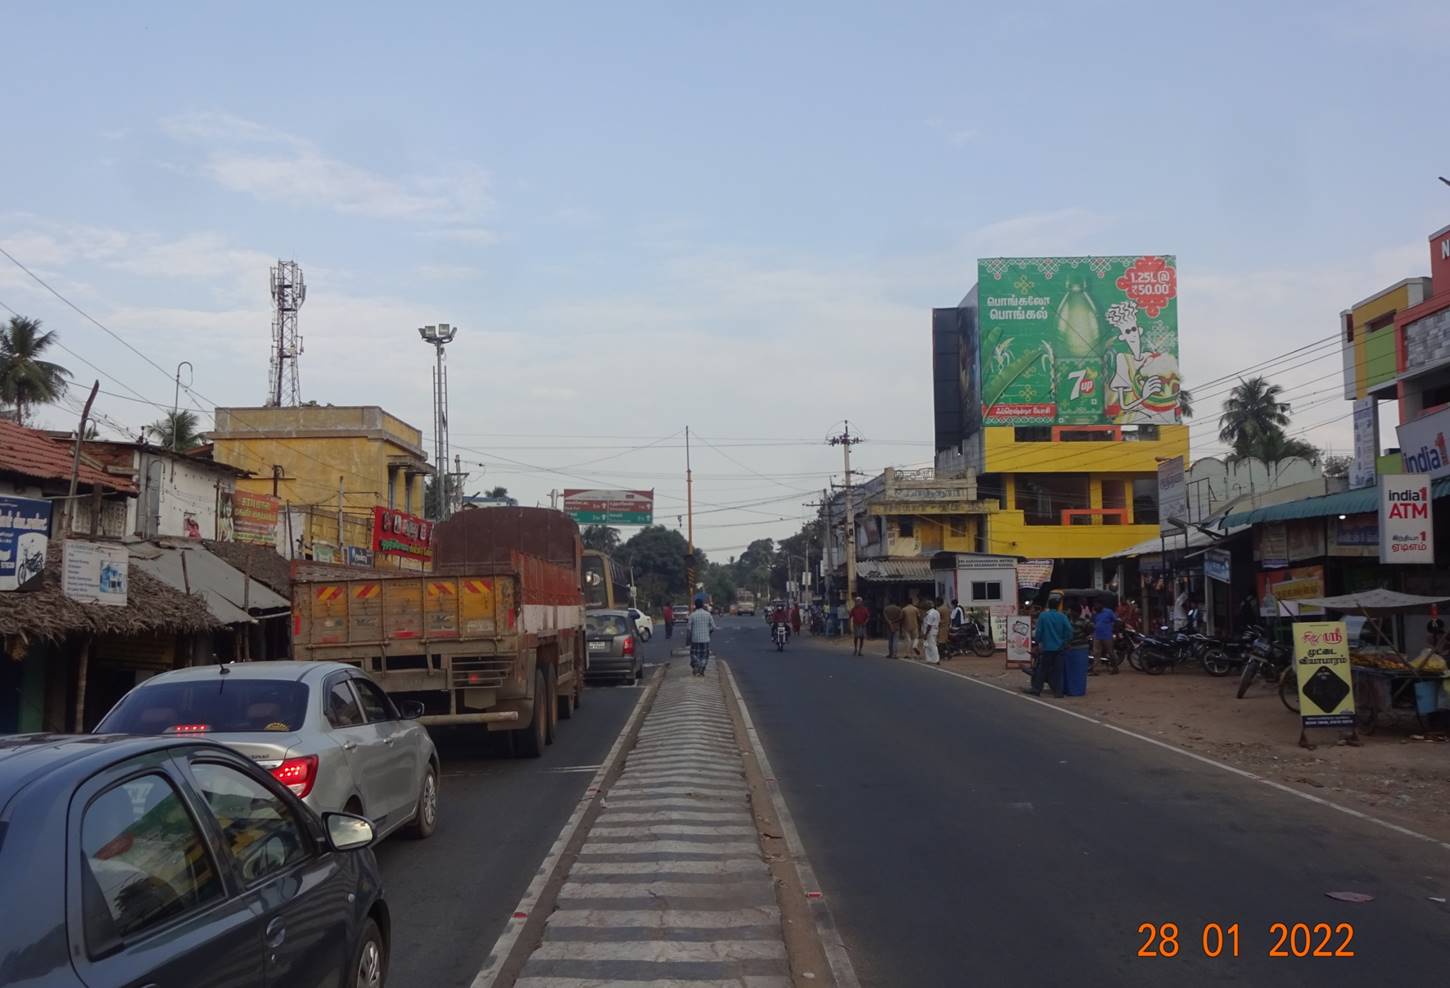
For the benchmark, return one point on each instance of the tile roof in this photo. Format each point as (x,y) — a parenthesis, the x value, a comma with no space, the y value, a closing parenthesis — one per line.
(31,453)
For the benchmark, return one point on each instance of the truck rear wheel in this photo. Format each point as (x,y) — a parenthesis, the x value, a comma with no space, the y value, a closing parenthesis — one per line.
(532,739)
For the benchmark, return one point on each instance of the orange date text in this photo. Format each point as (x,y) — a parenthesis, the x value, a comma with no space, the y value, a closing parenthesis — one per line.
(1229,940)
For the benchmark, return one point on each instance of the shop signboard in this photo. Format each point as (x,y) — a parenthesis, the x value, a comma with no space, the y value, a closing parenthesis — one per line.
(95,572)
(1407,519)
(24,536)
(1078,340)
(323,552)
(1423,445)
(1217,565)
(1322,668)
(1172,496)
(599,507)
(1033,573)
(1354,535)
(358,556)
(1305,539)
(1366,443)
(1272,543)
(1019,641)
(1281,590)
(396,533)
(243,516)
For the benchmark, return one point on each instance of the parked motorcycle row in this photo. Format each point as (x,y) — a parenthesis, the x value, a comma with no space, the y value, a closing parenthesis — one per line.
(1252,654)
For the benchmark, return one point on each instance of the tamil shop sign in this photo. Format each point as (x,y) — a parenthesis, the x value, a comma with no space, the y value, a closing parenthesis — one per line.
(24,536)
(597,507)
(1407,519)
(1217,565)
(1281,590)
(1322,669)
(396,533)
(1423,445)
(95,572)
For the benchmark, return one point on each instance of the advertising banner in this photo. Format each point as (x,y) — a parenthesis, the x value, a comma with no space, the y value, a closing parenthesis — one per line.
(1217,565)
(1305,539)
(398,534)
(1422,444)
(1019,641)
(1172,495)
(1078,340)
(1407,519)
(95,572)
(596,507)
(246,517)
(1321,665)
(1272,543)
(24,536)
(1281,590)
(1033,573)
(358,556)
(1354,535)
(1366,443)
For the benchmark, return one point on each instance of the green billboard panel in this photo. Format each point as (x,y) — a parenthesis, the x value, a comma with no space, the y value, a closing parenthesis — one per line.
(613,517)
(1078,340)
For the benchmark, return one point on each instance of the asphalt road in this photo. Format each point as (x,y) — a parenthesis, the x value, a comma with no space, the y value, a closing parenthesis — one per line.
(964,835)
(451,894)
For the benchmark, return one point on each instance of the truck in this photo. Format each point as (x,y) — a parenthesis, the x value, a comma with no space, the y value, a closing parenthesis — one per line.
(745,602)
(493,635)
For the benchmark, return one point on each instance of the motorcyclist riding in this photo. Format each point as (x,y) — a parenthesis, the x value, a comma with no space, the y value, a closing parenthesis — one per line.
(780,616)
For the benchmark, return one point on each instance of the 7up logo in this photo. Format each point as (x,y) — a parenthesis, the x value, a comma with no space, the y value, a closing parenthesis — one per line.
(1082,384)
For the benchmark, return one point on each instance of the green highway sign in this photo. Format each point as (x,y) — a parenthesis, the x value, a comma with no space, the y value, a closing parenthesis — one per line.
(612,517)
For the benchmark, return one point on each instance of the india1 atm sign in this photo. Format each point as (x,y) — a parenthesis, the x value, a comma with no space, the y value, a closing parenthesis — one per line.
(598,507)
(1407,519)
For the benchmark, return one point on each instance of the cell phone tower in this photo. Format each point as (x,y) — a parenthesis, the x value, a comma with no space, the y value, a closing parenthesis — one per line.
(289,291)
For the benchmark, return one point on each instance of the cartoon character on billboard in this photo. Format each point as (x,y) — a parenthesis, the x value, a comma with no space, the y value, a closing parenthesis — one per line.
(1143,384)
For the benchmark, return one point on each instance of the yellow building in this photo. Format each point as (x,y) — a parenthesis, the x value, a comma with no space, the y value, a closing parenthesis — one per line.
(917,515)
(329,465)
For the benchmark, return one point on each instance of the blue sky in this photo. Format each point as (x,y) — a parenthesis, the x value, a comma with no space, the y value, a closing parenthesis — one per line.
(736,219)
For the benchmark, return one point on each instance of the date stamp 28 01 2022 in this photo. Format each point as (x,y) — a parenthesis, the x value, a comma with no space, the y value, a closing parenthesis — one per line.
(1225,940)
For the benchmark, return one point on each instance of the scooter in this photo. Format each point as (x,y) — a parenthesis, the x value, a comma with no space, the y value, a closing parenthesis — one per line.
(780,632)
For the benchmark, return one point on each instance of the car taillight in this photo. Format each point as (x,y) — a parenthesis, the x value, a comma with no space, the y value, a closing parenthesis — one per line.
(297,774)
(188,729)
(629,646)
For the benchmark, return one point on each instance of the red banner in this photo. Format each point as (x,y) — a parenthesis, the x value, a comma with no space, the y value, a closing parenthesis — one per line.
(247,517)
(396,533)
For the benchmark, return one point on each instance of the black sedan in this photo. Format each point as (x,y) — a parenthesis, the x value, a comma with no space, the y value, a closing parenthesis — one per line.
(165,862)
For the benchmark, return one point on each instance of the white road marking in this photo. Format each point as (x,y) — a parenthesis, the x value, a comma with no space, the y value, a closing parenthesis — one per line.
(645,890)
(672,866)
(669,919)
(714,849)
(569,769)
(673,830)
(610,817)
(754,981)
(624,793)
(661,951)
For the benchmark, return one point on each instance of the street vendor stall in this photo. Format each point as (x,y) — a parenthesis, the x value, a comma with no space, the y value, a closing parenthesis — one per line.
(1386,681)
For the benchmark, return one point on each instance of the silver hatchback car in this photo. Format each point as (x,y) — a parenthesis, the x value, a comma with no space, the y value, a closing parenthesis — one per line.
(323,729)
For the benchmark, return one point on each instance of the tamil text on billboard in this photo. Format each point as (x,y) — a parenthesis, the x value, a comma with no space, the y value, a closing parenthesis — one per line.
(396,533)
(246,517)
(1078,340)
(1407,519)
(600,507)
(24,535)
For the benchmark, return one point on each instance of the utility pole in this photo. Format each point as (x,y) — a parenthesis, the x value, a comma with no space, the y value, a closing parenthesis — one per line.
(75,472)
(690,523)
(554,499)
(176,399)
(845,440)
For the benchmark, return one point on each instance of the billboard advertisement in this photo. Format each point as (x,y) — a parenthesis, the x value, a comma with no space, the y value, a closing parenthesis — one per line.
(1322,669)
(1281,590)
(1407,519)
(1078,340)
(596,507)
(246,517)
(24,536)
(95,572)
(396,533)
(1366,443)
(1422,444)
(1172,496)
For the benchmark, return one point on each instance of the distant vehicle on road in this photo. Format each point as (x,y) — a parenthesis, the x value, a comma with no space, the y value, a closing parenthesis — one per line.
(643,622)
(614,646)
(605,582)
(682,614)
(323,729)
(745,603)
(176,861)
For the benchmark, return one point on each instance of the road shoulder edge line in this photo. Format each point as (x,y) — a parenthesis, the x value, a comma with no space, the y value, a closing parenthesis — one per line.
(810,903)
(504,960)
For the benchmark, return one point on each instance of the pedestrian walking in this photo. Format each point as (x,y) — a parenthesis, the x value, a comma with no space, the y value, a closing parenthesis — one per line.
(795,620)
(859,616)
(1052,631)
(943,627)
(892,614)
(669,621)
(911,626)
(930,626)
(1104,622)
(702,622)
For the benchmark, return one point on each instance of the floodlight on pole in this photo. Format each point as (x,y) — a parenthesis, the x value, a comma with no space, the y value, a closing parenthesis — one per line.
(438,337)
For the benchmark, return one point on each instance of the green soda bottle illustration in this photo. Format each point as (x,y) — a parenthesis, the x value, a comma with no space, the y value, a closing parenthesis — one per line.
(1077,320)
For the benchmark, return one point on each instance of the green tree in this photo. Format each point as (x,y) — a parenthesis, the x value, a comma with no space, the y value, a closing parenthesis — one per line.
(600,537)
(25,378)
(182,426)
(1337,466)
(658,557)
(499,492)
(1185,403)
(1252,413)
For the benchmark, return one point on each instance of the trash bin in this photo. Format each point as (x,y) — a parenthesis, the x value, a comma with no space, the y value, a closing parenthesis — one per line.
(1427,697)
(1075,671)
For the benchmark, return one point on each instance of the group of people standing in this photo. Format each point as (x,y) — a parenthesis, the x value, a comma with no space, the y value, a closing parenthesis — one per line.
(920,627)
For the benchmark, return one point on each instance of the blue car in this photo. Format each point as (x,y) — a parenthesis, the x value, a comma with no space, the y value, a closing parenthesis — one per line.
(166,862)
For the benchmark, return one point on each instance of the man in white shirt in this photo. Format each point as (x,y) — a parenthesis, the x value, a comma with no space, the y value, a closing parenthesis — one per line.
(702,622)
(930,624)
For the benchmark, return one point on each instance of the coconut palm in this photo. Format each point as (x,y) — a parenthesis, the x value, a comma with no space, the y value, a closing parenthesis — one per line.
(25,378)
(177,430)
(1185,403)
(1252,413)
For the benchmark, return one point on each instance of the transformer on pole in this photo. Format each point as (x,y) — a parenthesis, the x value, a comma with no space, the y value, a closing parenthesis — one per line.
(289,291)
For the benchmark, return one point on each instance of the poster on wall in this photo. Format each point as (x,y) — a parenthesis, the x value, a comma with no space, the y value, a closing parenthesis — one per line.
(1322,668)
(1305,539)
(1033,573)
(1366,443)
(95,572)
(1272,544)
(243,516)
(1019,641)
(396,533)
(1281,590)
(1407,519)
(1078,340)
(1172,495)
(24,536)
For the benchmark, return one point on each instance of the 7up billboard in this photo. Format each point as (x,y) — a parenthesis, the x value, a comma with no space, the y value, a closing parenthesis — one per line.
(1078,340)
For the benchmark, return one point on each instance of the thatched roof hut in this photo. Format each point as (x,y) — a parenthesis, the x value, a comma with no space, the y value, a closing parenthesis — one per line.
(261,562)
(152,608)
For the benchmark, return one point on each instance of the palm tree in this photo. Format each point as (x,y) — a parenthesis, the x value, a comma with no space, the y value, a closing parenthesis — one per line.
(1251,414)
(177,430)
(1185,403)
(26,379)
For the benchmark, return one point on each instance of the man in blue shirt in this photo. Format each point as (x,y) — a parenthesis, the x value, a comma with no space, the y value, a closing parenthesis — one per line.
(1052,632)
(1104,623)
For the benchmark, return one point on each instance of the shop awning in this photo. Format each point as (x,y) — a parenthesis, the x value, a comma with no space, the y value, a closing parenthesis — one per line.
(1380,601)
(229,595)
(1356,502)
(1197,539)
(895,571)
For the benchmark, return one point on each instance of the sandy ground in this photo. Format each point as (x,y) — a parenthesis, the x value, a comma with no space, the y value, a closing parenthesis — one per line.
(1397,774)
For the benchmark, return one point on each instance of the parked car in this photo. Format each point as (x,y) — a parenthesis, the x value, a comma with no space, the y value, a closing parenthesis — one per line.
(176,861)
(323,729)
(614,646)
(643,622)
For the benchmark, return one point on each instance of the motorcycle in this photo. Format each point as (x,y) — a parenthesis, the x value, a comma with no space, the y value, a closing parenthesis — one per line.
(1221,657)
(1272,662)
(780,633)
(1156,654)
(968,637)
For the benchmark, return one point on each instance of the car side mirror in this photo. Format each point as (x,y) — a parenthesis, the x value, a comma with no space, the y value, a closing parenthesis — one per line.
(347,831)
(411,709)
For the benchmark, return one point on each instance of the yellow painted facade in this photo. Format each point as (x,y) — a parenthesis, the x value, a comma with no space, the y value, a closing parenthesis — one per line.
(929,533)
(1374,352)
(333,459)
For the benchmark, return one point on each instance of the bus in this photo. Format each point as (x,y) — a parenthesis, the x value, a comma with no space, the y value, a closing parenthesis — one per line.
(745,603)
(606,583)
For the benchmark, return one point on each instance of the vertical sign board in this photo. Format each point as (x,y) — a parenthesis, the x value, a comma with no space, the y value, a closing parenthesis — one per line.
(94,572)
(1322,668)
(1407,519)
(1019,641)
(1217,565)
(1366,443)
(24,536)
(1172,495)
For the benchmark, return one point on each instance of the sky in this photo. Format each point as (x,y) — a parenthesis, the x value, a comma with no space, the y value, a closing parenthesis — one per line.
(647,216)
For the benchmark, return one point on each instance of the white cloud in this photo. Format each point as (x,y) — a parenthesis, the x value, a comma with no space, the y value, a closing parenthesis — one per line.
(447,272)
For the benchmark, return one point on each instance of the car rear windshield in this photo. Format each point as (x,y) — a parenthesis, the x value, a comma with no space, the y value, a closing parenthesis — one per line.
(225,705)
(607,624)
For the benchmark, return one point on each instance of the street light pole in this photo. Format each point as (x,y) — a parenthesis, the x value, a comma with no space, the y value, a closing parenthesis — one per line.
(176,399)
